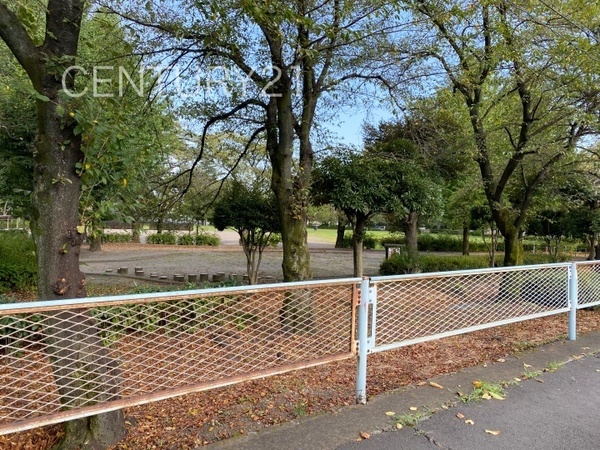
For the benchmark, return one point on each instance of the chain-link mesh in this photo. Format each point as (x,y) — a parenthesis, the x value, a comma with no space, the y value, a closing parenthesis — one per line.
(588,284)
(61,358)
(424,306)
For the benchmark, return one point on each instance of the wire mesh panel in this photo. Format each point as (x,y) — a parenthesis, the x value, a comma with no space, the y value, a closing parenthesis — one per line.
(61,362)
(422,307)
(588,283)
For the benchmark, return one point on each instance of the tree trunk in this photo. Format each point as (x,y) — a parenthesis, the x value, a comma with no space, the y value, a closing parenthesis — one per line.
(592,244)
(136,232)
(466,234)
(95,243)
(513,248)
(411,232)
(341,230)
(55,220)
(357,244)
(82,379)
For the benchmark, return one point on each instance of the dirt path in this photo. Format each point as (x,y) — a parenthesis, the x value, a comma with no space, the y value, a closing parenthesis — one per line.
(168,260)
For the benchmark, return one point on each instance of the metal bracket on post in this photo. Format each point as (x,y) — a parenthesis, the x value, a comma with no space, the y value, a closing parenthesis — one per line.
(363,342)
(573,294)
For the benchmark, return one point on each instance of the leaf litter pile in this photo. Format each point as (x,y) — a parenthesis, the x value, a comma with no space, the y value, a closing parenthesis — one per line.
(199,419)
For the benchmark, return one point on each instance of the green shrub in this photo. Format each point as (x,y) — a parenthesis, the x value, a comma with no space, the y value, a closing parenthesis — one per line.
(543,258)
(211,240)
(116,238)
(18,267)
(401,264)
(370,242)
(162,238)
(392,238)
(186,239)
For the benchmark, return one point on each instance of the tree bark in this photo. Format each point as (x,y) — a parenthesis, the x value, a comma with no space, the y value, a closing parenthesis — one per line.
(466,234)
(357,244)
(513,248)
(95,243)
(341,230)
(72,336)
(411,232)
(136,231)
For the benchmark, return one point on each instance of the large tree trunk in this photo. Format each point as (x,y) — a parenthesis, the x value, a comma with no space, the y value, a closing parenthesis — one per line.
(411,233)
(466,234)
(513,248)
(82,379)
(72,336)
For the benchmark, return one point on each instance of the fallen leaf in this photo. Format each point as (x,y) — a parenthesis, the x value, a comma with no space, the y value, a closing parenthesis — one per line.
(477,384)
(496,396)
(421,383)
(469,422)
(460,416)
(444,407)
(517,379)
(486,396)
(500,360)
(526,365)
(390,413)
(435,385)
(399,426)
(539,381)
(365,435)
(413,408)
(492,432)
(460,394)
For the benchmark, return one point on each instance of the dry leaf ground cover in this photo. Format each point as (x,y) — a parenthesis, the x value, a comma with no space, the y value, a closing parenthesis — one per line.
(199,419)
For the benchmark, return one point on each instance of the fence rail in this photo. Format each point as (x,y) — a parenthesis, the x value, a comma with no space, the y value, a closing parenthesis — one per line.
(74,358)
(67,359)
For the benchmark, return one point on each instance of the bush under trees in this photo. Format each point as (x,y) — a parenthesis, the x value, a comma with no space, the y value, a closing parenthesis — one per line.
(18,268)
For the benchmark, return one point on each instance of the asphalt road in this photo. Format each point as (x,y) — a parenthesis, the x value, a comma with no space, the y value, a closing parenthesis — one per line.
(560,413)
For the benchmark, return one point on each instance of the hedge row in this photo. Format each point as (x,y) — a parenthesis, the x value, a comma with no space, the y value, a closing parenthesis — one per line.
(187,239)
(401,264)
(18,267)
(116,238)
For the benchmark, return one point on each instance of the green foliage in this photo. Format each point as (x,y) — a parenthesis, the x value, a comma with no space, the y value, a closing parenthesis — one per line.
(207,239)
(18,267)
(543,258)
(116,238)
(186,316)
(162,238)
(246,210)
(186,239)
(402,264)
(370,241)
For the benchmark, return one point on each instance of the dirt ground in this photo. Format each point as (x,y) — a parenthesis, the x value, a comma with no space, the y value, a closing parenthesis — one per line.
(173,259)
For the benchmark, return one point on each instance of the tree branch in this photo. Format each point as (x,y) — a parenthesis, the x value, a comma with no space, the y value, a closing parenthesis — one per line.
(14,34)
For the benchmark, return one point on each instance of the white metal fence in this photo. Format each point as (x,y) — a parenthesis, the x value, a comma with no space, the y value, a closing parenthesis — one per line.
(74,358)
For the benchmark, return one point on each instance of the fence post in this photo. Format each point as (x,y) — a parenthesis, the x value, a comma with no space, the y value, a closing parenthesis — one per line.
(362,332)
(573,293)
